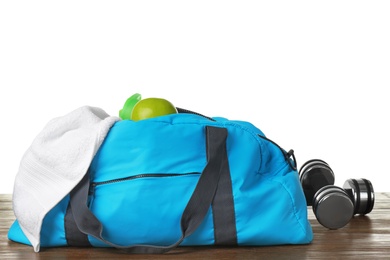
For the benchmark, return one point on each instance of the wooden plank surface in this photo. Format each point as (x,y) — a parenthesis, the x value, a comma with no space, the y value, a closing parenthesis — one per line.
(365,237)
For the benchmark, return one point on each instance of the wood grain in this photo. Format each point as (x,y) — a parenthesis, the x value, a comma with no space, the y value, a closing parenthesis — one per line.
(365,237)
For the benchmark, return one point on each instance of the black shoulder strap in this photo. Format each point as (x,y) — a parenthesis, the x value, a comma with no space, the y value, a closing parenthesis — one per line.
(193,214)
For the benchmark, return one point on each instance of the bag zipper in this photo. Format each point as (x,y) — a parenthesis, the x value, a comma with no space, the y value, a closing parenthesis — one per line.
(286,155)
(139,176)
(186,111)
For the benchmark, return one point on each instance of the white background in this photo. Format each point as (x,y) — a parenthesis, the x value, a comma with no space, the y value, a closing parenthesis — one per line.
(313,75)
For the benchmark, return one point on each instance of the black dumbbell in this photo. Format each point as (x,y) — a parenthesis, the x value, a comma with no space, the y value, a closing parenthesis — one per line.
(334,206)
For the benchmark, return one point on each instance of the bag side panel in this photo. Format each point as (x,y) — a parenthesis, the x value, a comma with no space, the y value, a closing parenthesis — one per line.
(273,213)
(269,202)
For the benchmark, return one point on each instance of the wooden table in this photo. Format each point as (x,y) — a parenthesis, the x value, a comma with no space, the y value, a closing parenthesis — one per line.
(365,237)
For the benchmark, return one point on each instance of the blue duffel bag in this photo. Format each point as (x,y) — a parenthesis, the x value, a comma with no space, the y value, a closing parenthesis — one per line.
(181,179)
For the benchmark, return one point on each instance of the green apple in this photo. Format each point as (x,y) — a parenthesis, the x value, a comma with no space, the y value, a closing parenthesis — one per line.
(152,107)
(125,112)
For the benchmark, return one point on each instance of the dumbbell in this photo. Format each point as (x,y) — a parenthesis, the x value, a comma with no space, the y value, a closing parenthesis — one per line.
(334,206)
(315,174)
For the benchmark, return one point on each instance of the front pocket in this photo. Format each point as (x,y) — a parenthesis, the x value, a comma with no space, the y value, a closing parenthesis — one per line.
(143,209)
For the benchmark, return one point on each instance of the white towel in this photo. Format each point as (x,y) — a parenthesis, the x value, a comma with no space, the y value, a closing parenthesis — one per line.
(55,162)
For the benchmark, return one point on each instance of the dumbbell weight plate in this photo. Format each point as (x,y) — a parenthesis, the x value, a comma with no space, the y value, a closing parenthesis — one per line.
(306,164)
(362,195)
(332,207)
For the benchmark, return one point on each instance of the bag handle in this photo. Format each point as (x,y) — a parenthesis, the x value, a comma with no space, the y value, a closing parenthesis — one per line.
(193,214)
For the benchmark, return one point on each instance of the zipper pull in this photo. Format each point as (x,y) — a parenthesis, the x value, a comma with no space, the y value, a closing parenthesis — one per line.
(92,189)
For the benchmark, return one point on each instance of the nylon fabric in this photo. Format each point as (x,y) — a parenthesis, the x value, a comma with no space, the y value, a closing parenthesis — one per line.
(193,214)
(268,201)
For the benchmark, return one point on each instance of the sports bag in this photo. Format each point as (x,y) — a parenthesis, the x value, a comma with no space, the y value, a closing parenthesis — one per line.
(181,180)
